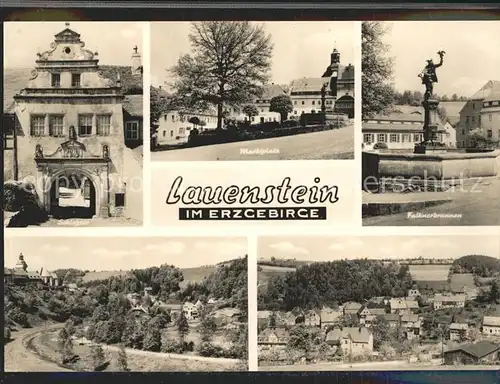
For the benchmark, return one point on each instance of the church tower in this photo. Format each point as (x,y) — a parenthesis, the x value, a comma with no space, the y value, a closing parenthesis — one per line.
(21,264)
(136,62)
(334,57)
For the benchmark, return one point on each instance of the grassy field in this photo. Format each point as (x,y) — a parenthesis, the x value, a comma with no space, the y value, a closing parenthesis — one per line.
(102,275)
(267,272)
(196,275)
(430,272)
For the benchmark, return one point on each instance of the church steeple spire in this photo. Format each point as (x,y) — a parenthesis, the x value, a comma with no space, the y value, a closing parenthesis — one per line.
(335,56)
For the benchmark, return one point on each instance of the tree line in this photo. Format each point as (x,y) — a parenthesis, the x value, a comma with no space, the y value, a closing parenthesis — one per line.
(333,283)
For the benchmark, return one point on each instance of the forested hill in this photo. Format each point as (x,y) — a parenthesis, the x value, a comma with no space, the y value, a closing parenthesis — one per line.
(480,265)
(226,281)
(332,283)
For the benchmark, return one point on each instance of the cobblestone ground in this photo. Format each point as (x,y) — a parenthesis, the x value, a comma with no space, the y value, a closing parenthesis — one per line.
(474,203)
(325,145)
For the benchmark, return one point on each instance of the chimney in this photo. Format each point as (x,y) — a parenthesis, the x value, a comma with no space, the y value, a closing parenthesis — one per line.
(159,87)
(136,62)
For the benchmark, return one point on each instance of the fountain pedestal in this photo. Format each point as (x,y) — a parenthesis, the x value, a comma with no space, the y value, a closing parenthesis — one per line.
(431,131)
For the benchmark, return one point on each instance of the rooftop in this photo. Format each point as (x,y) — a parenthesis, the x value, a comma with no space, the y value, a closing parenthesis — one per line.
(492,321)
(356,334)
(478,350)
(488,92)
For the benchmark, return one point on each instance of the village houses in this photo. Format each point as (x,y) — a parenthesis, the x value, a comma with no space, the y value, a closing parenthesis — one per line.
(458,331)
(354,341)
(403,306)
(448,301)
(273,339)
(411,325)
(491,326)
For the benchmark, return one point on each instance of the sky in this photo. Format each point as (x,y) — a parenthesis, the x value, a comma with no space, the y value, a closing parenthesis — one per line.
(123,253)
(301,49)
(316,248)
(112,40)
(471,59)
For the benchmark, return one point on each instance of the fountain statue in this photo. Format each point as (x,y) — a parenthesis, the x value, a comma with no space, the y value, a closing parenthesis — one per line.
(430,104)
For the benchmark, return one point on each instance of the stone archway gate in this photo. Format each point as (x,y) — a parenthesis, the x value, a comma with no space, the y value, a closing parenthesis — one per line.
(72,157)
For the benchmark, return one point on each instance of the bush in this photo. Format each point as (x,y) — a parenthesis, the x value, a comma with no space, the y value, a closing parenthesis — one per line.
(210,350)
(6,334)
(380,146)
(18,317)
(179,348)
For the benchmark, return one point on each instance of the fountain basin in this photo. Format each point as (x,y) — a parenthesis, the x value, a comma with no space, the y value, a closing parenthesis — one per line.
(442,167)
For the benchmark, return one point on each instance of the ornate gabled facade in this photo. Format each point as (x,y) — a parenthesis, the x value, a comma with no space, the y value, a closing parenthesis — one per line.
(73,125)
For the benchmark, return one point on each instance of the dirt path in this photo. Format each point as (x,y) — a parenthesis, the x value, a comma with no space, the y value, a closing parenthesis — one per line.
(18,358)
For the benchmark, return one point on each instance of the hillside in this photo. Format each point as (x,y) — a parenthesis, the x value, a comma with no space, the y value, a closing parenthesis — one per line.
(266,273)
(102,275)
(289,263)
(196,274)
(191,275)
(479,265)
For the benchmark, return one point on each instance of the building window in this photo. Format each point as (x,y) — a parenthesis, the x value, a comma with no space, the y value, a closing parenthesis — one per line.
(368,138)
(103,125)
(165,117)
(173,118)
(119,199)
(181,131)
(295,102)
(490,133)
(394,138)
(382,137)
(416,137)
(37,126)
(56,79)
(84,125)
(489,117)
(164,133)
(56,125)
(405,138)
(75,79)
(302,102)
(313,102)
(171,133)
(132,130)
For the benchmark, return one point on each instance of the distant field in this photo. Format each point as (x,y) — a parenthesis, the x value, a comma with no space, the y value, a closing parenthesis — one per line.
(267,272)
(196,275)
(102,275)
(190,274)
(430,272)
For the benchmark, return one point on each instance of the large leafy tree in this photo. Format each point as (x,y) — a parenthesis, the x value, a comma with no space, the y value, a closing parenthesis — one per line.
(250,110)
(377,68)
(228,66)
(281,104)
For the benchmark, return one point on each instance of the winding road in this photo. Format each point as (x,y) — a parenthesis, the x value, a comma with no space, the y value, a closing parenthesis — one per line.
(19,358)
